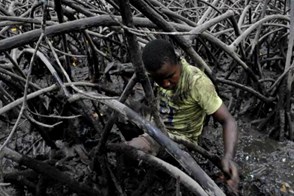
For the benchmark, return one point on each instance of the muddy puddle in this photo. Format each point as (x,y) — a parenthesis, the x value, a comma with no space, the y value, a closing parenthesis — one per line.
(266,165)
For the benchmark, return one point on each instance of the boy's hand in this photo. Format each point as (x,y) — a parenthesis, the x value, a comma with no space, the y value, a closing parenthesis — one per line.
(231,173)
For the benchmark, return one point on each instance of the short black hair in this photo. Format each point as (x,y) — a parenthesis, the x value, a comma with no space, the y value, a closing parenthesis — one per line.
(156,53)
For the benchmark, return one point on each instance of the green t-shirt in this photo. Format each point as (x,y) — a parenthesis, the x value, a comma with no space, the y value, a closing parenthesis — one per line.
(184,109)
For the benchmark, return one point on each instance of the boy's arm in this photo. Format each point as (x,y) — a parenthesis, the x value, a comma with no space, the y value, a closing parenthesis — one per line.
(230,133)
(230,137)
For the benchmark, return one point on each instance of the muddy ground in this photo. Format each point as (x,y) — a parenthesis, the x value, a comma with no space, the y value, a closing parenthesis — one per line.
(266,165)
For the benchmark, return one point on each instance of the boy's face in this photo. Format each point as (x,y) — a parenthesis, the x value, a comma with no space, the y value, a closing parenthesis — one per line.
(167,76)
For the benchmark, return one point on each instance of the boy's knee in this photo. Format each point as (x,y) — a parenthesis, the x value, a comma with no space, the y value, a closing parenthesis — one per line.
(145,143)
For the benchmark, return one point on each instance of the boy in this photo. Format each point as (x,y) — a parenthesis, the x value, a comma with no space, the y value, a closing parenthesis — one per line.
(186,97)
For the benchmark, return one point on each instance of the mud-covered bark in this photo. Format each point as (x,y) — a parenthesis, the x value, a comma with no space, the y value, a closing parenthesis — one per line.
(161,165)
(51,172)
(136,59)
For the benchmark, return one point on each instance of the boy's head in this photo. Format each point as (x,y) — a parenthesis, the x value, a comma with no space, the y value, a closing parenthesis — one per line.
(161,62)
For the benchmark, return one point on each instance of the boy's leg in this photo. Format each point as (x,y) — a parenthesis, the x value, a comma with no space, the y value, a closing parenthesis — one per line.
(145,143)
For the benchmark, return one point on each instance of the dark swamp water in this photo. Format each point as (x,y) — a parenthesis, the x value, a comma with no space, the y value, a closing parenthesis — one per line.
(266,165)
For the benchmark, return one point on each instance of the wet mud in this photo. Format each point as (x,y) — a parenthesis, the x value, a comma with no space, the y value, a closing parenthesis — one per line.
(266,165)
